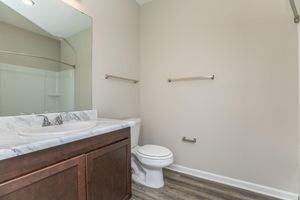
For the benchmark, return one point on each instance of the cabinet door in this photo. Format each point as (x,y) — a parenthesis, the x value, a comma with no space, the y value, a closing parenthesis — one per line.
(109,172)
(63,181)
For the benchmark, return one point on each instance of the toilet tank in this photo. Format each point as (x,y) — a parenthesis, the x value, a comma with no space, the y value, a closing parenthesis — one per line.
(135,131)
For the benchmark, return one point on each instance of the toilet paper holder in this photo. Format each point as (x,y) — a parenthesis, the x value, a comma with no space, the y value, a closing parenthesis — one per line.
(185,139)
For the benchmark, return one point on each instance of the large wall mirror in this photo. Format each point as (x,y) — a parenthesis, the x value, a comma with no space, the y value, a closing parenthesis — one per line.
(45,57)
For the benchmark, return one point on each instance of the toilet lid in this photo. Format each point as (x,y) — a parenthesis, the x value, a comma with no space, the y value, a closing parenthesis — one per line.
(154,151)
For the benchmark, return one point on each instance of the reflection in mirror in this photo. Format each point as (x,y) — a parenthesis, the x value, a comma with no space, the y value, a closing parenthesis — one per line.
(45,58)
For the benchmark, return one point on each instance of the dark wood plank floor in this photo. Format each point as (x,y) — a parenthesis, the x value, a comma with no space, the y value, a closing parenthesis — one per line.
(184,187)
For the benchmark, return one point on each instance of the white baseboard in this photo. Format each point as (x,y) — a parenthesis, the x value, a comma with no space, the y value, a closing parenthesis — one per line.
(236,183)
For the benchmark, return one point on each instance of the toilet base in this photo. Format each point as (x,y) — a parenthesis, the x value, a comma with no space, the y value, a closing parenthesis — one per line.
(148,176)
(152,178)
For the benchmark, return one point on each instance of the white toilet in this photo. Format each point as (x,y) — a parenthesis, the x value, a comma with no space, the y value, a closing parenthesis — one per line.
(147,161)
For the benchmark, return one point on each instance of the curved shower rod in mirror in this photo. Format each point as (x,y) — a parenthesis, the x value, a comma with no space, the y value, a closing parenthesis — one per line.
(35,56)
(294,8)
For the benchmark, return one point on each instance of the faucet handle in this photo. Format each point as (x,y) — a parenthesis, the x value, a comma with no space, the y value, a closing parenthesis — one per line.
(58,120)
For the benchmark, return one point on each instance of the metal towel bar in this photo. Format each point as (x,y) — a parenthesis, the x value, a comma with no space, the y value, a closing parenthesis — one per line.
(108,76)
(170,80)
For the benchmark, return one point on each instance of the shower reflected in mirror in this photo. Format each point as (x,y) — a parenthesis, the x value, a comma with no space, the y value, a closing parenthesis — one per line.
(45,58)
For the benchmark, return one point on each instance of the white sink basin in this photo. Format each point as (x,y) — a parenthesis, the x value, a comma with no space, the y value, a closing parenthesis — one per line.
(66,128)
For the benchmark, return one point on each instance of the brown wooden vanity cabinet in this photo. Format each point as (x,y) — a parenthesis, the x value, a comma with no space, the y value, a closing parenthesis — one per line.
(99,169)
(65,181)
(108,168)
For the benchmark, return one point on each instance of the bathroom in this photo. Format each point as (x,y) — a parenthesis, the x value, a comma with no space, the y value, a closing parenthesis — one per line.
(100,95)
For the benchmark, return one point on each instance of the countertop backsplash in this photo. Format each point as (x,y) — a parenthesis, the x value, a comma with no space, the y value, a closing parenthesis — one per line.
(11,123)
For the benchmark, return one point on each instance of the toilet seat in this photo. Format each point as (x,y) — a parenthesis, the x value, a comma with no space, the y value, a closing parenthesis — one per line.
(154,152)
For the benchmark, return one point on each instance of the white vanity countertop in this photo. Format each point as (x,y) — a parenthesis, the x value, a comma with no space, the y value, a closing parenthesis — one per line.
(13,144)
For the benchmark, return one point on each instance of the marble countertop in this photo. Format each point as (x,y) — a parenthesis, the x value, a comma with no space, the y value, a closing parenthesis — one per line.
(12,144)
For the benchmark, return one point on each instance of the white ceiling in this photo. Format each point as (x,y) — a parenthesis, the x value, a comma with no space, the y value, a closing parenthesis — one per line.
(142,2)
(55,16)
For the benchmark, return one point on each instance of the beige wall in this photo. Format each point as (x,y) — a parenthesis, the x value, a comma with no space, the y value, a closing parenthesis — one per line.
(245,120)
(115,51)
(17,39)
(82,44)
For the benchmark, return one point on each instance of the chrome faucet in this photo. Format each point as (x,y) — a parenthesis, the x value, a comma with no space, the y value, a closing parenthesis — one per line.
(46,121)
(58,120)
